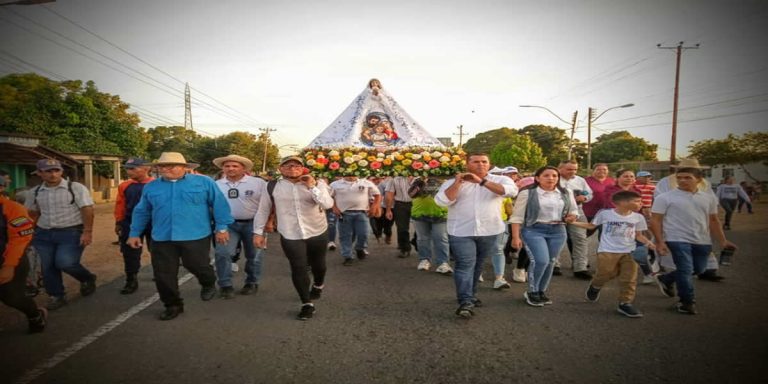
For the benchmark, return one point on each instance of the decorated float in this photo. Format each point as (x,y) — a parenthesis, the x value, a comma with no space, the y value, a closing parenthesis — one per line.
(374,136)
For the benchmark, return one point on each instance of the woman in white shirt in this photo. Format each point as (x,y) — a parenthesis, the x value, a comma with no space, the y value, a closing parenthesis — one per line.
(539,218)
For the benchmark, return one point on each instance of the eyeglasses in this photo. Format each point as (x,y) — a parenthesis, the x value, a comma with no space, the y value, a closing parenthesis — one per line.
(52,171)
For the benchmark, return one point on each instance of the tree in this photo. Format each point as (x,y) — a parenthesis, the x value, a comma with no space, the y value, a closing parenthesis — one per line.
(519,151)
(484,142)
(552,140)
(622,146)
(740,150)
(239,143)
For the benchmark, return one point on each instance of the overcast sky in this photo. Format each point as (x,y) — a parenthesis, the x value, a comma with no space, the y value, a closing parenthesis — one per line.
(296,65)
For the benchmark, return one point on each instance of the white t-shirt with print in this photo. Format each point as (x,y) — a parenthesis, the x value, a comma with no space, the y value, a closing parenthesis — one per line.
(618,232)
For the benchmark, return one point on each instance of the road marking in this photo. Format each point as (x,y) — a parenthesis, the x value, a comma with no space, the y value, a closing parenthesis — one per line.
(47,365)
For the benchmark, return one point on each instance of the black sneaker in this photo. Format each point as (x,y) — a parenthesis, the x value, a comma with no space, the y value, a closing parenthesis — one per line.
(349,262)
(710,275)
(592,294)
(556,271)
(667,289)
(171,312)
(361,254)
(544,299)
(88,287)
(629,310)
(465,311)
(55,303)
(584,275)
(227,293)
(307,310)
(249,288)
(37,324)
(130,287)
(532,299)
(207,293)
(688,309)
(404,254)
(477,302)
(315,292)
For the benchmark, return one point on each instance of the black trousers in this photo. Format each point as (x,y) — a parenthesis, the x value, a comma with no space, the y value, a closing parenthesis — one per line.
(381,226)
(132,256)
(12,293)
(401,213)
(301,253)
(193,254)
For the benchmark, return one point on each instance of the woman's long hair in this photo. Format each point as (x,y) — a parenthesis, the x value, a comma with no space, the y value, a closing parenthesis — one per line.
(538,173)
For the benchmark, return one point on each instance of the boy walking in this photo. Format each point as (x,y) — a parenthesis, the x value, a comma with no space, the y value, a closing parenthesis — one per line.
(622,228)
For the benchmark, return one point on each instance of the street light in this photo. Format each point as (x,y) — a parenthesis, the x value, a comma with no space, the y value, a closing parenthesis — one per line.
(591,120)
(572,123)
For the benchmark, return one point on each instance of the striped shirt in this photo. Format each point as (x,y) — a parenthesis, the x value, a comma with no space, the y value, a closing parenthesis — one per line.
(55,204)
(399,185)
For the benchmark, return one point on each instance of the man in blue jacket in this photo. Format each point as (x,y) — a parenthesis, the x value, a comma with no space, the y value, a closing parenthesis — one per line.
(181,207)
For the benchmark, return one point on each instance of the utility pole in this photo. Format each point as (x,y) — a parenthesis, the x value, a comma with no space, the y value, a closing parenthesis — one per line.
(188,109)
(590,119)
(266,144)
(573,130)
(460,134)
(679,50)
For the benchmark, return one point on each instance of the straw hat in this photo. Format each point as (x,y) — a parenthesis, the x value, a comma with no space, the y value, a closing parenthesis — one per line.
(174,158)
(689,163)
(247,163)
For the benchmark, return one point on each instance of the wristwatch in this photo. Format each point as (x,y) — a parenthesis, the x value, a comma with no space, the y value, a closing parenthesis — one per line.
(222,231)
(482,183)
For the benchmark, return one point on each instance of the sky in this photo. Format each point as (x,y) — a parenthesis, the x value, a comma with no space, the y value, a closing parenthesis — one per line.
(294,66)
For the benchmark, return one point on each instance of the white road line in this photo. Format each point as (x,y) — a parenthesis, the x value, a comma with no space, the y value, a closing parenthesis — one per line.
(47,365)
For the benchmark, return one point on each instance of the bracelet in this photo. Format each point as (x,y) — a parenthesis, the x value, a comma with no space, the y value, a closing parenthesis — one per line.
(482,183)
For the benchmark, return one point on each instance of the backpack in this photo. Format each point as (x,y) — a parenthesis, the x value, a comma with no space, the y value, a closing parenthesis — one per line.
(69,188)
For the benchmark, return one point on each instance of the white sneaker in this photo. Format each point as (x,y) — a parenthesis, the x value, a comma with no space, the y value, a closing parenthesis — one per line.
(518,275)
(444,268)
(501,284)
(331,246)
(648,279)
(424,265)
(480,279)
(235,268)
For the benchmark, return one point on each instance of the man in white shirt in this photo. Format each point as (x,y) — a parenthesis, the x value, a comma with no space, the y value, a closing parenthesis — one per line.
(243,193)
(474,224)
(577,236)
(299,205)
(352,204)
(683,222)
(399,206)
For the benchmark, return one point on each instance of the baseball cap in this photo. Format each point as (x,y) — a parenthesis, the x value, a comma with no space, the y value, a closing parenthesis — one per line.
(48,164)
(509,169)
(644,174)
(134,162)
(291,158)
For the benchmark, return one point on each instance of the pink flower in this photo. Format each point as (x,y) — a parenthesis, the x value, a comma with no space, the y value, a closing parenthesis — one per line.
(434,163)
(322,160)
(334,166)
(376,165)
(417,165)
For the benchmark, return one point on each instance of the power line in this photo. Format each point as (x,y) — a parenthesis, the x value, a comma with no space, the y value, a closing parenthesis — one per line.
(30,65)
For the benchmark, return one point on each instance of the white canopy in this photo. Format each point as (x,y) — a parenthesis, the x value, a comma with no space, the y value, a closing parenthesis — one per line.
(374,120)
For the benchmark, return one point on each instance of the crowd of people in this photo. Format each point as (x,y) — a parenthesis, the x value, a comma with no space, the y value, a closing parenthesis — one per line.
(662,230)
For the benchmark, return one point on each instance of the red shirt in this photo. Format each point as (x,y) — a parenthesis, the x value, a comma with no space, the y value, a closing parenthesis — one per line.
(598,195)
(646,191)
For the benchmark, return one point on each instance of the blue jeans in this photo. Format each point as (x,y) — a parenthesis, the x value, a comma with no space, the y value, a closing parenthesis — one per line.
(238,231)
(432,238)
(469,253)
(640,255)
(332,220)
(498,260)
(353,226)
(689,259)
(543,242)
(60,251)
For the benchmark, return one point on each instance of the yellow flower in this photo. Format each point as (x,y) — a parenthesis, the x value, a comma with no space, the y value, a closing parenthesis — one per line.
(362,163)
(387,161)
(399,157)
(333,153)
(371,158)
(407,162)
(335,157)
(444,159)
(426,157)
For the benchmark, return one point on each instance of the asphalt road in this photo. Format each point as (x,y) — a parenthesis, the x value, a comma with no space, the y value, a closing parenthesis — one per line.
(383,321)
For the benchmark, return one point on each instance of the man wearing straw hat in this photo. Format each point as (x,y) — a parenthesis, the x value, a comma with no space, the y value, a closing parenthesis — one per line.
(669,183)
(181,207)
(243,193)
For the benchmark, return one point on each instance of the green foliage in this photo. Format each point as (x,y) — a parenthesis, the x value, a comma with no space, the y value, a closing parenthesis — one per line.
(741,150)
(622,146)
(552,140)
(484,142)
(520,151)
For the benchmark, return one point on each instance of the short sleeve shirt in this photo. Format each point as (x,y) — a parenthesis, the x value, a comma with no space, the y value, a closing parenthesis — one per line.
(686,215)
(57,210)
(618,232)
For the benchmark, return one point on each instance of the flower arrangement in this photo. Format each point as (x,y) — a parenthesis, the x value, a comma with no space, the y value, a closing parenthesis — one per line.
(402,161)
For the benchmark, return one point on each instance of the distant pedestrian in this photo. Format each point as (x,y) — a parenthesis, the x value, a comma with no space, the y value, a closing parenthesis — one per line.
(355,200)
(63,211)
(299,203)
(430,223)
(381,226)
(16,229)
(748,189)
(729,193)
(577,237)
(399,209)
(182,207)
(128,196)
(475,227)
(622,229)
(538,220)
(243,193)
(683,223)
